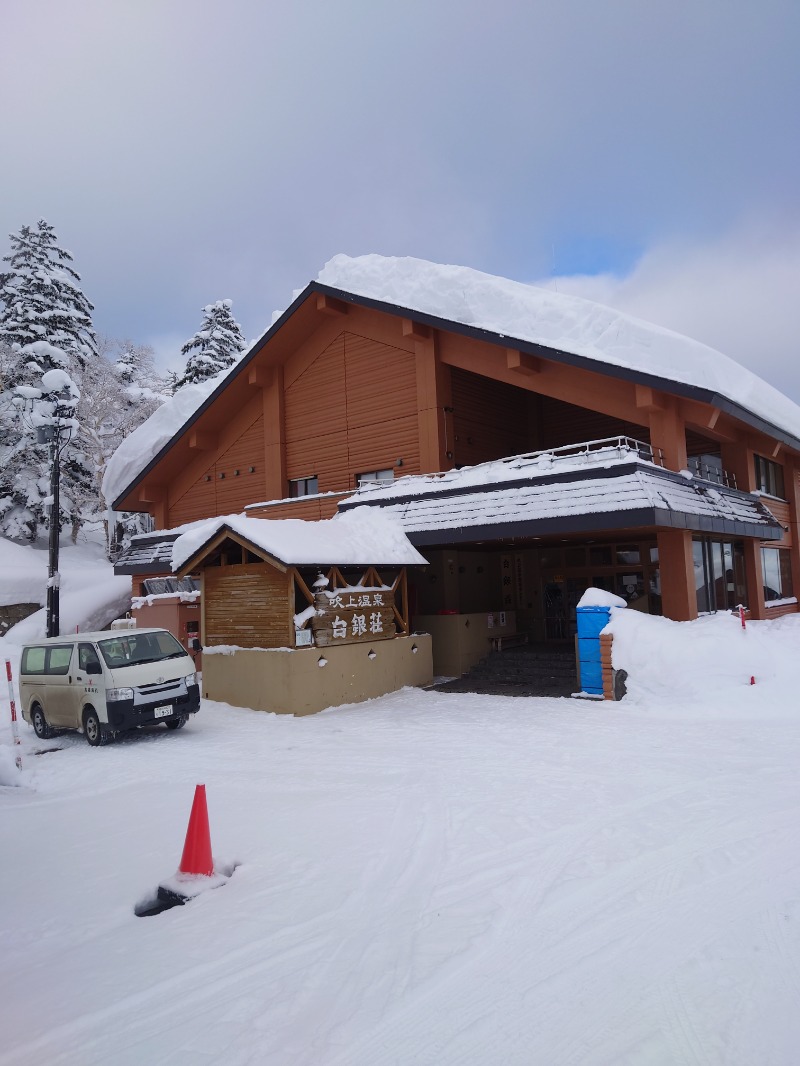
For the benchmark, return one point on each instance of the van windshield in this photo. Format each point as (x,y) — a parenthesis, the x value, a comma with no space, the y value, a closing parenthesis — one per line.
(136,648)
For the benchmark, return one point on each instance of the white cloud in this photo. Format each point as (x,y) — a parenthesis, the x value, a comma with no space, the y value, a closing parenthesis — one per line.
(739,293)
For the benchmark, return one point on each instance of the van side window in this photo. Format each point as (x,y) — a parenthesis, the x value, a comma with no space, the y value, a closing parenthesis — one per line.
(58,659)
(86,655)
(32,661)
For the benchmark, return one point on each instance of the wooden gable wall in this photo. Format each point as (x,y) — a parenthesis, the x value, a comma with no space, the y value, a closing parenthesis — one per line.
(219,489)
(352,409)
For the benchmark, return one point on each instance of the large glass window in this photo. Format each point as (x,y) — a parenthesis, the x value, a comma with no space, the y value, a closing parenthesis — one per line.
(777,573)
(718,574)
(769,477)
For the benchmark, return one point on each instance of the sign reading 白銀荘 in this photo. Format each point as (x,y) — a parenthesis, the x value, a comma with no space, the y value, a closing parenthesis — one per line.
(350,615)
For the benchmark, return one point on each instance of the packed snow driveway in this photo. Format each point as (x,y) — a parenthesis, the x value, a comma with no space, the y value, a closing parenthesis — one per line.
(427,878)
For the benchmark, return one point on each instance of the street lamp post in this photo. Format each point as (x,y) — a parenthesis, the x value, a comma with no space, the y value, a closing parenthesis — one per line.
(53,576)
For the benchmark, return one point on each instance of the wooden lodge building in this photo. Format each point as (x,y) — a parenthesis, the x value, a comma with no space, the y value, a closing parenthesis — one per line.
(530,444)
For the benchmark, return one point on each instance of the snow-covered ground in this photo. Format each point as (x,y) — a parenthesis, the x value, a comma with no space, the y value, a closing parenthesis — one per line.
(426,878)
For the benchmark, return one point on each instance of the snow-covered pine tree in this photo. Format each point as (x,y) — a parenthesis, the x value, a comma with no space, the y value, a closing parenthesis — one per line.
(215,347)
(43,301)
(46,321)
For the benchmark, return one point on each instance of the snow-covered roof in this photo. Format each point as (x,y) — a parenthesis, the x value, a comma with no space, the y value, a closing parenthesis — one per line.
(508,309)
(362,537)
(526,501)
(571,324)
(147,440)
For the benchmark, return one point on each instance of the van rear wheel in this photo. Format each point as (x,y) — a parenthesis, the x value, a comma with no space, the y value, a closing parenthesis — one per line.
(92,728)
(39,722)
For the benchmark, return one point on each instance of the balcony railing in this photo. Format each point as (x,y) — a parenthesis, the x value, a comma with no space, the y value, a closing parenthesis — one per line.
(595,450)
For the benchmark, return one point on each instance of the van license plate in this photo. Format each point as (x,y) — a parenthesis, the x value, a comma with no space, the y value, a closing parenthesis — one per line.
(163,712)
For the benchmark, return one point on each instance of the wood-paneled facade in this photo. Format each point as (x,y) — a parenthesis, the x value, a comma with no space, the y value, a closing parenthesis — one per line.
(341,386)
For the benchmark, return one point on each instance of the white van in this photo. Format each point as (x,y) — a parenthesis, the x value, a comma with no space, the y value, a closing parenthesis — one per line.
(106,683)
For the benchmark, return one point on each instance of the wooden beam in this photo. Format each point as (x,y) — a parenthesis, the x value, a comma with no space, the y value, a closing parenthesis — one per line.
(522,363)
(149,493)
(415,330)
(202,441)
(776,449)
(713,417)
(328,305)
(260,377)
(309,595)
(647,399)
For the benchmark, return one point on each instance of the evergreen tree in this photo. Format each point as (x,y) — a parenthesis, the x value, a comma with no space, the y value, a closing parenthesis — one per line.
(215,347)
(42,301)
(45,321)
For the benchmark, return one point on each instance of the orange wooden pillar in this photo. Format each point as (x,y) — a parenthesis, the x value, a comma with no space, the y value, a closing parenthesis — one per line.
(270,381)
(791,477)
(737,457)
(434,400)
(667,431)
(754,576)
(676,563)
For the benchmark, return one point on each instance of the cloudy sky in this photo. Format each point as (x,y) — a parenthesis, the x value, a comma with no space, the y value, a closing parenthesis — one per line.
(645,153)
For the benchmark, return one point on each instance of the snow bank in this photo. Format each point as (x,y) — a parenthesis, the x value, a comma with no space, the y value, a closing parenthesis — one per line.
(90,592)
(361,536)
(557,320)
(703,668)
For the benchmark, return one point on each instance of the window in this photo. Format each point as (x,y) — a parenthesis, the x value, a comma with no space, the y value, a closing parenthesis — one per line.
(58,659)
(776,569)
(718,574)
(33,661)
(708,467)
(769,477)
(86,655)
(303,486)
(375,477)
(158,586)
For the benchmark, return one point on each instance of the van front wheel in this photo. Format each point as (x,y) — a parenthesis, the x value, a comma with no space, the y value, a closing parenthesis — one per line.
(92,727)
(177,723)
(39,722)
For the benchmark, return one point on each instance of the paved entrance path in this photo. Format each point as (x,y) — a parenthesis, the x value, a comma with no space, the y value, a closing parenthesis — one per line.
(529,670)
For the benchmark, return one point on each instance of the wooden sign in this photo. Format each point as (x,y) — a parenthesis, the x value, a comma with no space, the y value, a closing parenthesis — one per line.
(353,615)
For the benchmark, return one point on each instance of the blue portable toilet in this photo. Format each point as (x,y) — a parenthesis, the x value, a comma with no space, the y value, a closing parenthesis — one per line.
(593,614)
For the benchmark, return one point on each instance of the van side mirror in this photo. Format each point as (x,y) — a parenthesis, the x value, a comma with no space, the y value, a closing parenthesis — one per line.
(94,668)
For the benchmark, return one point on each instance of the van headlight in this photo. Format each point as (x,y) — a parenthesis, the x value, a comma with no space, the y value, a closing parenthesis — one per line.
(115,694)
(191,679)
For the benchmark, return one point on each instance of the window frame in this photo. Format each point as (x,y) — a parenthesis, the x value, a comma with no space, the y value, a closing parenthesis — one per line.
(305,482)
(782,568)
(373,477)
(769,477)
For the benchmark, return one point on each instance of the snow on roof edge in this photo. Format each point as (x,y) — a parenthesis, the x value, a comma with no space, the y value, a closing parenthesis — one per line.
(507,308)
(363,536)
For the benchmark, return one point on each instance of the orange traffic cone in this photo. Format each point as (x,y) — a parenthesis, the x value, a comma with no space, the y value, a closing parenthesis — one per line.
(196,859)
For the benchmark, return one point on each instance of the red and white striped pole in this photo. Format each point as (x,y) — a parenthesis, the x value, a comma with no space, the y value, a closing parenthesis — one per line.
(14,730)
(741,616)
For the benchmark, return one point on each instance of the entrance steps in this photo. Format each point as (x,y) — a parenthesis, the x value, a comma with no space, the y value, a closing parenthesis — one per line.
(526,670)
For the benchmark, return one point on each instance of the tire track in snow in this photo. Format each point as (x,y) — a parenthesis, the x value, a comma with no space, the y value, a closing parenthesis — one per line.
(487,969)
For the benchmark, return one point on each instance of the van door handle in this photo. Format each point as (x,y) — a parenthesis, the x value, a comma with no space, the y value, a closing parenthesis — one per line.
(78,678)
